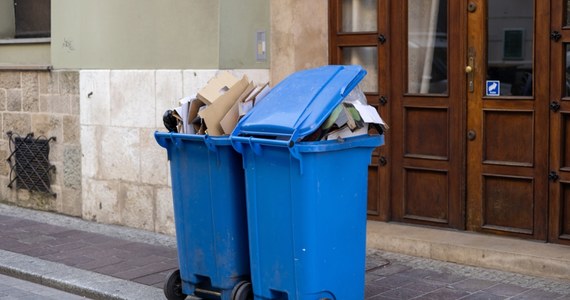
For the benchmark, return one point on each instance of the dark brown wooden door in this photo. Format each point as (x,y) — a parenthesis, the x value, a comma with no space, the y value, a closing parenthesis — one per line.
(507,117)
(428,98)
(359,35)
(477,95)
(559,229)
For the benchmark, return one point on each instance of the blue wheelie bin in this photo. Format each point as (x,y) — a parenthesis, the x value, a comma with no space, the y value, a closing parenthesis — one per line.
(210,218)
(306,200)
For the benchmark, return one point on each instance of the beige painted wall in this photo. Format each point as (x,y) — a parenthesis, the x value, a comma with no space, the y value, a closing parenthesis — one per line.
(25,54)
(135,34)
(152,34)
(15,52)
(239,22)
(7,26)
(299,36)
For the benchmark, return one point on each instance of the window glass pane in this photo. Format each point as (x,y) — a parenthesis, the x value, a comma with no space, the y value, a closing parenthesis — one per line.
(359,15)
(510,38)
(367,57)
(567,68)
(427,46)
(33,18)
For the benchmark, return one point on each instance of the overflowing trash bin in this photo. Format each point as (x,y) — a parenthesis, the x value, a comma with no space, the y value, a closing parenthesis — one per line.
(210,218)
(306,195)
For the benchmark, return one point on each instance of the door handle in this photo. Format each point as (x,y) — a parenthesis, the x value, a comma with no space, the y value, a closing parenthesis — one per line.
(469,69)
(471,135)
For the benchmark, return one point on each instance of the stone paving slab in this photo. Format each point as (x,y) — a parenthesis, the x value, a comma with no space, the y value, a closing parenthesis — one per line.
(13,288)
(397,276)
(73,280)
(92,251)
(118,256)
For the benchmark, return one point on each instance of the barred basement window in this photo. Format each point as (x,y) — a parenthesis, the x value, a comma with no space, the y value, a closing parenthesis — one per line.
(29,163)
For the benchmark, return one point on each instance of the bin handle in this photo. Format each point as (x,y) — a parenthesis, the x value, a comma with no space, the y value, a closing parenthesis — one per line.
(210,144)
(176,140)
(348,88)
(255,147)
(237,145)
(255,143)
(303,113)
(294,151)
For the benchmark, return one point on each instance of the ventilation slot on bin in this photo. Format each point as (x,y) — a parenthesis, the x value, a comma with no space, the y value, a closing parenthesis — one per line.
(29,163)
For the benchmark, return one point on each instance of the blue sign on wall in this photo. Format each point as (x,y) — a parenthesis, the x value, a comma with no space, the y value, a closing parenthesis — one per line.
(493,88)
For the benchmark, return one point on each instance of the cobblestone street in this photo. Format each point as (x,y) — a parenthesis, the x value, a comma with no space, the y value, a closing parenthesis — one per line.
(395,276)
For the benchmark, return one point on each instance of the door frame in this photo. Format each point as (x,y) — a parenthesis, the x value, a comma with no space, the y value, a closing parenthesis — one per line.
(379,175)
(556,232)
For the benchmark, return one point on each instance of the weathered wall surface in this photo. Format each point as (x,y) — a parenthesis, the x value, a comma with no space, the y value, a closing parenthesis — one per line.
(135,34)
(46,104)
(108,166)
(125,173)
(142,34)
(299,36)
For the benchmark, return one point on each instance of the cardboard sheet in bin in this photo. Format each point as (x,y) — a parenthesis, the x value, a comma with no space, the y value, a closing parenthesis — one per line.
(299,104)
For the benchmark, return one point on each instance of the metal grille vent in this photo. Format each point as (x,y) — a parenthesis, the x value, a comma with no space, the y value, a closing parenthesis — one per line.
(29,163)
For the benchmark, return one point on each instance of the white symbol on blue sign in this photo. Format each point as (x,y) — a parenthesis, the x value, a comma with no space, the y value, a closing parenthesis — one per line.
(493,88)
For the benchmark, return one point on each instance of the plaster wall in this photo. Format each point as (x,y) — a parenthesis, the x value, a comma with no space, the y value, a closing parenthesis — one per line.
(299,36)
(7,25)
(135,34)
(149,34)
(25,54)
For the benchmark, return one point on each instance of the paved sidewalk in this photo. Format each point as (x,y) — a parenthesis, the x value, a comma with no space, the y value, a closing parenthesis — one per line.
(112,262)
(16,289)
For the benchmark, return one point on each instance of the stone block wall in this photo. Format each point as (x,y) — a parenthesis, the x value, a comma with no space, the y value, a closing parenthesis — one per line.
(45,103)
(125,173)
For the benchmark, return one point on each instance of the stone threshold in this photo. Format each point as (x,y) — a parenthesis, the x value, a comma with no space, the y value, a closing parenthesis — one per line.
(473,249)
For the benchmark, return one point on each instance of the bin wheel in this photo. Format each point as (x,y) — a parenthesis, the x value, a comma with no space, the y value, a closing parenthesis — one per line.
(173,286)
(242,291)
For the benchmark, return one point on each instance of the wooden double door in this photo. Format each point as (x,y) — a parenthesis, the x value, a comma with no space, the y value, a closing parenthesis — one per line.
(477,95)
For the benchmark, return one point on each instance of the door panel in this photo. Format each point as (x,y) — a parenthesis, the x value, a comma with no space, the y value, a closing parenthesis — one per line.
(430,203)
(508,137)
(559,217)
(359,35)
(507,118)
(428,94)
(500,214)
(418,138)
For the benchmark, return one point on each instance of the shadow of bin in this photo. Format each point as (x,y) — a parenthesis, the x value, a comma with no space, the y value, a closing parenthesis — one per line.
(210,217)
(306,201)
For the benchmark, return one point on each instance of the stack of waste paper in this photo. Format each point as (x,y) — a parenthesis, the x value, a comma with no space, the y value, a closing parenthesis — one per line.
(351,117)
(216,109)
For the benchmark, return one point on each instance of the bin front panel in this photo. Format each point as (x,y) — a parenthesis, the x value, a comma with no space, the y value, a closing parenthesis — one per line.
(209,210)
(307,224)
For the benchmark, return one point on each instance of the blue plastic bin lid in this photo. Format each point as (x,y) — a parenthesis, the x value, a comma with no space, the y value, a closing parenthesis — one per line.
(299,104)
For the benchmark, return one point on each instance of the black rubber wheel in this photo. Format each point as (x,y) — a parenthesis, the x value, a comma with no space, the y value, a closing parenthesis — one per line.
(173,286)
(242,291)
